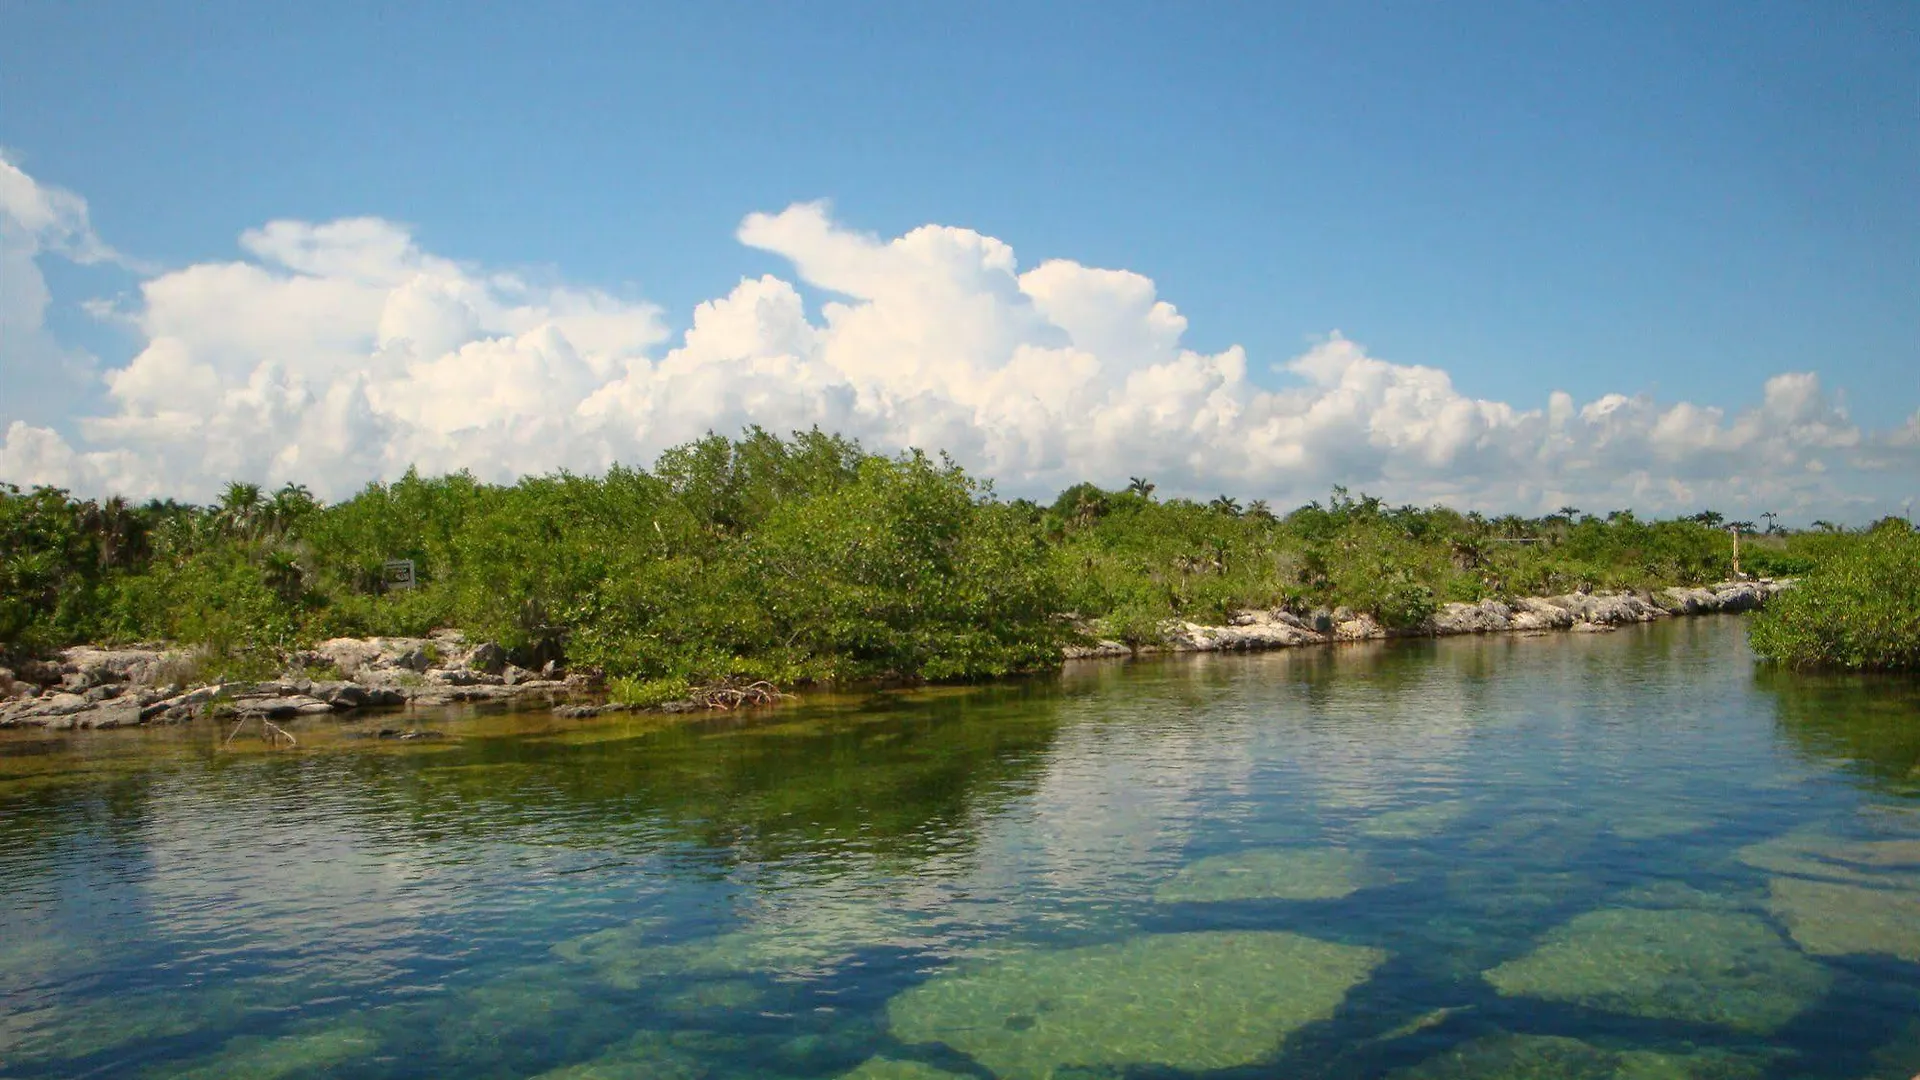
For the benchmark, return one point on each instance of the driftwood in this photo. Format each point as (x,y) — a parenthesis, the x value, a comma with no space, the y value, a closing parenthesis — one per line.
(733,695)
(269,731)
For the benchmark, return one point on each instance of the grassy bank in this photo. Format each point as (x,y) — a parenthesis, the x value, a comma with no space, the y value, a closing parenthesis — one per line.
(792,560)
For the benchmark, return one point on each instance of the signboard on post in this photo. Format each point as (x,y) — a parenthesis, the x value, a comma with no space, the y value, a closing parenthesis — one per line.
(398,573)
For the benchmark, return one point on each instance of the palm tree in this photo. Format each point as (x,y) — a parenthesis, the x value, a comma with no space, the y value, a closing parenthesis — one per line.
(117,530)
(1260,511)
(240,507)
(1225,504)
(288,505)
(284,575)
(1567,513)
(1138,485)
(1771,518)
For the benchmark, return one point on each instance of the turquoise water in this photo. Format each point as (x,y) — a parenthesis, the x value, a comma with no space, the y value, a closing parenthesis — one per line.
(1627,854)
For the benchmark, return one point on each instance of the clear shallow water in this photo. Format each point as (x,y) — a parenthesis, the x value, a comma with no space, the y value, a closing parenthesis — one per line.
(1585,855)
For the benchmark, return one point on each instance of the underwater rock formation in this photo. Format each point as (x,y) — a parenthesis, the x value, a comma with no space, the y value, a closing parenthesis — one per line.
(1702,966)
(881,1068)
(1830,919)
(253,1057)
(1534,1057)
(1414,823)
(1194,1001)
(1323,873)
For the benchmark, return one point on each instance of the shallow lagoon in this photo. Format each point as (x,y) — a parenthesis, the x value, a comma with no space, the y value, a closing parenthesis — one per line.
(1626,854)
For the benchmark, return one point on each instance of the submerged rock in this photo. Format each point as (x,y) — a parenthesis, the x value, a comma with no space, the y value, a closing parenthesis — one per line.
(255,1057)
(1323,873)
(1701,966)
(655,1055)
(1877,863)
(714,994)
(1414,823)
(631,956)
(881,1068)
(1831,919)
(1676,894)
(1195,1001)
(1537,1057)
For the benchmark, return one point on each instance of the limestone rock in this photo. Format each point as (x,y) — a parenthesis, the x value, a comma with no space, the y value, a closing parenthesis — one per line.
(1485,617)
(1698,966)
(487,658)
(274,708)
(1318,873)
(115,714)
(1529,1057)
(1530,613)
(1190,1001)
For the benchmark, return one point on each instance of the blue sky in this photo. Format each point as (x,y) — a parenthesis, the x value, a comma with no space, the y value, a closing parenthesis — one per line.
(1593,199)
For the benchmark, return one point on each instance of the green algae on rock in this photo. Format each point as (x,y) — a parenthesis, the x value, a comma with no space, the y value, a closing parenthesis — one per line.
(1881,863)
(515,1021)
(1677,894)
(655,1055)
(1535,1057)
(257,1057)
(1414,823)
(881,1068)
(1701,966)
(1833,919)
(1319,873)
(1194,1001)
(714,994)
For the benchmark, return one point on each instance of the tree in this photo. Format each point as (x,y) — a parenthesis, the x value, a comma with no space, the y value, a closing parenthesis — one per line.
(118,532)
(1260,511)
(287,509)
(1712,519)
(1225,504)
(1138,485)
(239,511)
(1771,518)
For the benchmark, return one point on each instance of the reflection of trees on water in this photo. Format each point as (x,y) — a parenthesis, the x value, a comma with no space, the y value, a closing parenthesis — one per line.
(895,784)
(1871,723)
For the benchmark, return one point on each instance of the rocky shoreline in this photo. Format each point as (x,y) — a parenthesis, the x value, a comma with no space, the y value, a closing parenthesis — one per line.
(1586,612)
(93,688)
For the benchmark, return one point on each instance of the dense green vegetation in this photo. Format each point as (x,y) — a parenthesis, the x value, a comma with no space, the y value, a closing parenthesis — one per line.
(792,560)
(1858,609)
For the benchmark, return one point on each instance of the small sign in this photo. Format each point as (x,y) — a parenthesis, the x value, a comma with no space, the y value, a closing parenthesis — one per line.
(398,573)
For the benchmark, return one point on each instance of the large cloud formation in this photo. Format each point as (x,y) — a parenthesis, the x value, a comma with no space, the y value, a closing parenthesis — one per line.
(336,353)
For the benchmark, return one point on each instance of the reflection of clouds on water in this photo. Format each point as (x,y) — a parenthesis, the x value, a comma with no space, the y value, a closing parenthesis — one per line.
(308,887)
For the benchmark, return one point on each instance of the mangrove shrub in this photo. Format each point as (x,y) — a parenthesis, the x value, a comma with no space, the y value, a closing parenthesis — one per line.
(1857,609)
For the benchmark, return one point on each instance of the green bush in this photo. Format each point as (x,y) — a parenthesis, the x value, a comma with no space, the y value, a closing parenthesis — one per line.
(790,560)
(1857,610)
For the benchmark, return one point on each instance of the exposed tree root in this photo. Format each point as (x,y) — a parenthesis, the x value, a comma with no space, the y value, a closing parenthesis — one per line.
(729,695)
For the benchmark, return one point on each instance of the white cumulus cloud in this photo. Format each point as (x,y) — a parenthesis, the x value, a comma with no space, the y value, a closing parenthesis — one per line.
(336,353)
